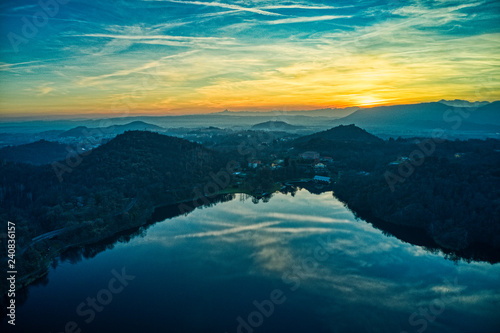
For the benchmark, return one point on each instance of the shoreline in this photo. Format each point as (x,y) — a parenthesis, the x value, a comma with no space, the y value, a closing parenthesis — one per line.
(419,236)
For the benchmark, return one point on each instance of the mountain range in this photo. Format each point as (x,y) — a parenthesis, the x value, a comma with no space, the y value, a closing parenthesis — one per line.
(427,116)
(462,119)
(82,131)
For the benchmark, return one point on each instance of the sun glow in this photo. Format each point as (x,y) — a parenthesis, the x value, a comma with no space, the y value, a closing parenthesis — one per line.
(370,101)
(250,61)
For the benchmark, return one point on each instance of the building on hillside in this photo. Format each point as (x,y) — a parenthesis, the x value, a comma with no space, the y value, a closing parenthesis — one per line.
(310,155)
(400,160)
(322,179)
(254,164)
(327,159)
(319,167)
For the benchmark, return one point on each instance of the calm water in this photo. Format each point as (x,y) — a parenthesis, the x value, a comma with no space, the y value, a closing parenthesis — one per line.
(293,264)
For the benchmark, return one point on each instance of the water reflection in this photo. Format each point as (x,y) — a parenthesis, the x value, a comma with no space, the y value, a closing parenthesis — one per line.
(199,272)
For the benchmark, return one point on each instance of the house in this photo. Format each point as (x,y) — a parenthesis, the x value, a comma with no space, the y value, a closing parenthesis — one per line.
(322,179)
(319,167)
(327,159)
(400,160)
(254,164)
(310,155)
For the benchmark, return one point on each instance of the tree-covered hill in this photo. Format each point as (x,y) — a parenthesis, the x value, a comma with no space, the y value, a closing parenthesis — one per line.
(450,189)
(112,188)
(40,152)
(342,133)
(276,126)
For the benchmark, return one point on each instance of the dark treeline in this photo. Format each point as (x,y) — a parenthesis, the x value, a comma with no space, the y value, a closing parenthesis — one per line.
(114,187)
(449,188)
(39,152)
(451,192)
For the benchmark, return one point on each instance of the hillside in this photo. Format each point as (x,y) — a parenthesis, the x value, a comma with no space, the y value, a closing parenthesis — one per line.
(75,132)
(329,112)
(82,131)
(40,152)
(276,126)
(424,116)
(112,188)
(134,164)
(338,137)
(487,114)
(463,104)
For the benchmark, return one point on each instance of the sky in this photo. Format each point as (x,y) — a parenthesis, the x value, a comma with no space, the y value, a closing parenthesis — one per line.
(169,57)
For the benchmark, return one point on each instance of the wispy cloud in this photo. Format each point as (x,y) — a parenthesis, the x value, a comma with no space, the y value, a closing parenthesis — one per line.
(253,54)
(298,6)
(305,19)
(44,90)
(223,5)
(156,37)
(88,81)
(230,230)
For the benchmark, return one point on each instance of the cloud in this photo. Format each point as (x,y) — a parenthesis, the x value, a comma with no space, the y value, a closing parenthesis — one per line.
(305,19)
(223,5)
(16,9)
(312,7)
(308,218)
(166,40)
(45,90)
(93,80)
(229,230)
(420,15)
(255,55)
(143,37)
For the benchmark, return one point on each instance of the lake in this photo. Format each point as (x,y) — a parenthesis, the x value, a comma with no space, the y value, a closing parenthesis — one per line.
(299,263)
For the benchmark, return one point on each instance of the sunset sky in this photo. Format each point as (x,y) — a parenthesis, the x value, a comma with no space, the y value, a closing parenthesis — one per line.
(175,56)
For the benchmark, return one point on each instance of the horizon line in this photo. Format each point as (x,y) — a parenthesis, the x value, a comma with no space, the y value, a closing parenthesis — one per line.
(102,115)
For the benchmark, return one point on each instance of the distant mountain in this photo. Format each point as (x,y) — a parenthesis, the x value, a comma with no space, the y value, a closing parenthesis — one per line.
(424,116)
(330,113)
(75,132)
(151,168)
(348,133)
(112,189)
(487,114)
(82,131)
(463,104)
(135,126)
(276,126)
(40,152)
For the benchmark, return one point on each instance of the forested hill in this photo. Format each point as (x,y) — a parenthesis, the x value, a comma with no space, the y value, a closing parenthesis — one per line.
(142,165)
(276,126)
(344,133)
(340,136)
(112,188)
(83,131)
(138,160)
(40,152)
